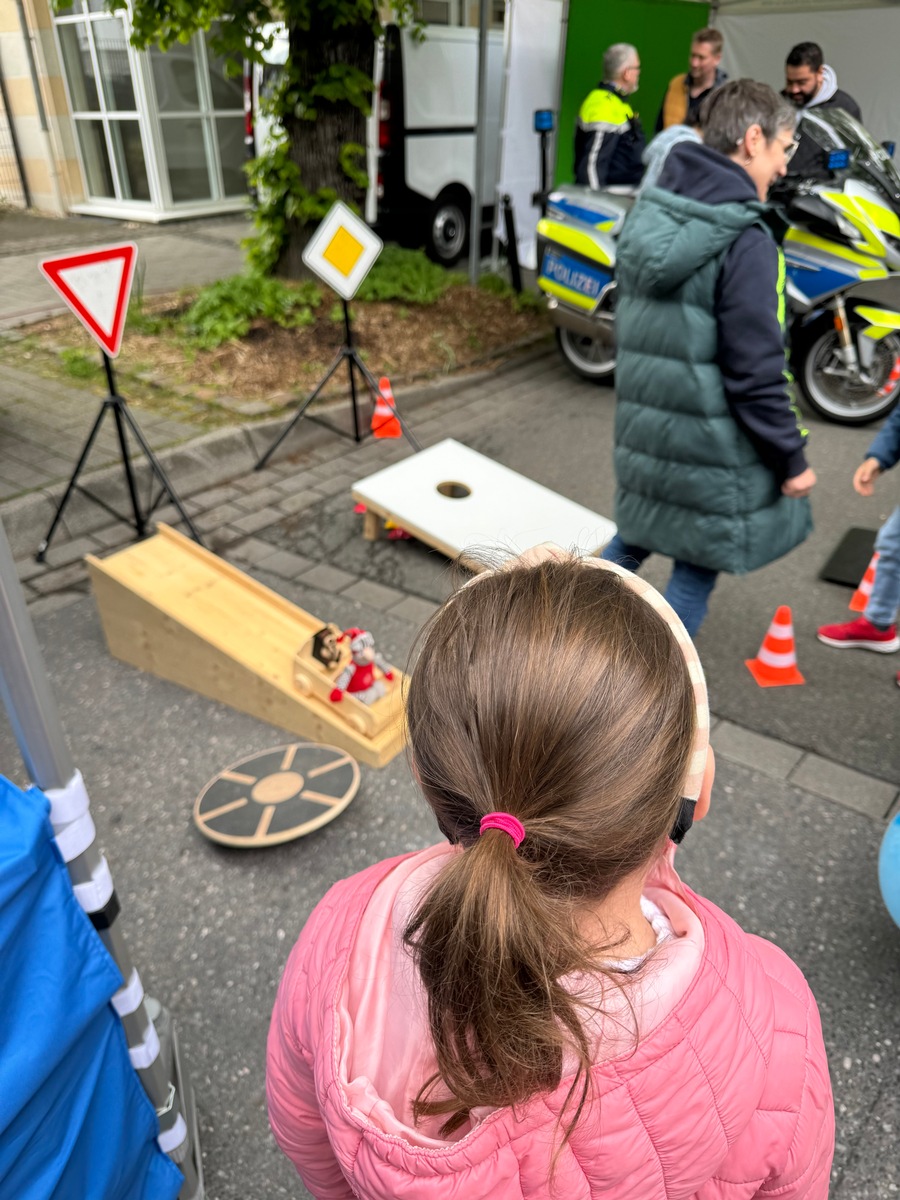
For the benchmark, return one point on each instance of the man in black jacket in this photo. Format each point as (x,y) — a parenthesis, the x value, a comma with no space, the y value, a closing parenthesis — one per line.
(810,83)
(609,140)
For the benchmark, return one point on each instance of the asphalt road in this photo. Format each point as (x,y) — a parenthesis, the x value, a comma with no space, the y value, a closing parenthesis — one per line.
(210,928)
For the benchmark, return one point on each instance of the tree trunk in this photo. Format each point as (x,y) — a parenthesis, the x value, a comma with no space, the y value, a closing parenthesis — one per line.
(316,144)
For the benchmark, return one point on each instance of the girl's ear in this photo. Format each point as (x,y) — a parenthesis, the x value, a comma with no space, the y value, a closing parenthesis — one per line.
(709,776)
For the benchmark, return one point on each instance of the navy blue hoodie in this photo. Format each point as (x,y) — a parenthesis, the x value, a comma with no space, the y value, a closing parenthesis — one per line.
(751,354)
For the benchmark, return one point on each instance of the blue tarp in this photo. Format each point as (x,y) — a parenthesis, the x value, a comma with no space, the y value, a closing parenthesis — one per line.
(75,1122)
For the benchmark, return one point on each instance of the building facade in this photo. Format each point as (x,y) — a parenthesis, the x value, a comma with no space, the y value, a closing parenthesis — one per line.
(90,125)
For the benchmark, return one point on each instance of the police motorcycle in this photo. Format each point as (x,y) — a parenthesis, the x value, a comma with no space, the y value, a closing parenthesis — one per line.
(842,258)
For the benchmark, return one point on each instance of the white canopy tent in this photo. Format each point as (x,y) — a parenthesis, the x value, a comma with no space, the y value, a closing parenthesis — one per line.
(859,40)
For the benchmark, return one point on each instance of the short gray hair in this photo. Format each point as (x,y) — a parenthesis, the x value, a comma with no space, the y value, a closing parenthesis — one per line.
(731,109)
(616,59)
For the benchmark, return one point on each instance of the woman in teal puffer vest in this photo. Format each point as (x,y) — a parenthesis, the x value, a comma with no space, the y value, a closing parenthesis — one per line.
(709,457)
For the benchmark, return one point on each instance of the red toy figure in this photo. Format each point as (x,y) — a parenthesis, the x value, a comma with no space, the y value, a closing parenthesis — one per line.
(358,677)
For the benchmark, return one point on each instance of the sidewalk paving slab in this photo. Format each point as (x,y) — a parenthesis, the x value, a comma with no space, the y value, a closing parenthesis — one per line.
(753,750)
(293,504)
(287,565)
(376,595)
(872,797)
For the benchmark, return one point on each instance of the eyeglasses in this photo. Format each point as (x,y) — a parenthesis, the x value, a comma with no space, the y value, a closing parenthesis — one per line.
(789,150)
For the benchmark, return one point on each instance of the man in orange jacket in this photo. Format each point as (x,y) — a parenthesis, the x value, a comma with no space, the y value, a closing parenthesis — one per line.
(687,92)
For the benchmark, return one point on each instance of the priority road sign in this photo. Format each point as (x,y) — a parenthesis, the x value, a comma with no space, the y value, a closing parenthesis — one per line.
(96,286)
(342,250)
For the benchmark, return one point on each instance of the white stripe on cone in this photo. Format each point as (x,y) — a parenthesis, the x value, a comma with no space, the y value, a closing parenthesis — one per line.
(771,659)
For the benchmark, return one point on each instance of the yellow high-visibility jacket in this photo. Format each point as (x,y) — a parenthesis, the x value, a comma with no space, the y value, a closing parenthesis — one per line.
(609,140)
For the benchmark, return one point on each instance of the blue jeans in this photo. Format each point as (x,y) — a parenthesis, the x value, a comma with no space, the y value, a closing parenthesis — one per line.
(689,587)
(885,598)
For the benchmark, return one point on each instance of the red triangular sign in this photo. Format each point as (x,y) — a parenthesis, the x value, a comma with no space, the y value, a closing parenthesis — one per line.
(96,286)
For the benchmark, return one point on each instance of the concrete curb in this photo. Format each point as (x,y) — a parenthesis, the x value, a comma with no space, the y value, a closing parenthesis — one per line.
(207,461)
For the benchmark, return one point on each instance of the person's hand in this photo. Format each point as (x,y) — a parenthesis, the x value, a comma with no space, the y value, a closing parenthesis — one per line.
(800,485)
(865,475)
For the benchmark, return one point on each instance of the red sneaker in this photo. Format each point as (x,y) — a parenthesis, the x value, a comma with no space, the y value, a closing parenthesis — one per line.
(860,634)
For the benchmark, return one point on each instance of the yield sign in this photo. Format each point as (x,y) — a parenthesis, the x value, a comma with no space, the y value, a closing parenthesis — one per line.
(96,286)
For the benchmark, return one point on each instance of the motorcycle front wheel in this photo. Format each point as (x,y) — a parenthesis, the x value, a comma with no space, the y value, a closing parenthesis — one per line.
(591,358)
(833,394)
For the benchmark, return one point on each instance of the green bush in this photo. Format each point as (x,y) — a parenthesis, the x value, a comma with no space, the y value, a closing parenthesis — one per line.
(496,285)
(78,364)
(407,275)
(226,310)
(524,301)
(530,302)
(140,321)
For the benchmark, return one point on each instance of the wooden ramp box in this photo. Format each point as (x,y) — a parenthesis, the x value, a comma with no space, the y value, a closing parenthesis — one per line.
(178,611)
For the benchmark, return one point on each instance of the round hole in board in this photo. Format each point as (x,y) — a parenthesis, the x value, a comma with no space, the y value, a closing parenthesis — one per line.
(454,491)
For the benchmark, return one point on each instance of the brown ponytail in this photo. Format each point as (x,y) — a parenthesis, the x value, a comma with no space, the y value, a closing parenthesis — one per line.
(557,694)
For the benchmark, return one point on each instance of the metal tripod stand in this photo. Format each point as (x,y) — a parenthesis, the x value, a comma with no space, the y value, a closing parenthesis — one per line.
(115,404)
(349,354)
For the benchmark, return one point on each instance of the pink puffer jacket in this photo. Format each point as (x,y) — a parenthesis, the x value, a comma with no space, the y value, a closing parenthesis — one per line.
(727,1095)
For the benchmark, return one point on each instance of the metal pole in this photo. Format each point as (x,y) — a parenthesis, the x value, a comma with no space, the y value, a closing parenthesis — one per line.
(24,688)
(29,701)
(480,131)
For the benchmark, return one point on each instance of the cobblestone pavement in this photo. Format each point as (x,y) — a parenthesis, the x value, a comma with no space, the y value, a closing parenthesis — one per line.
(44,424)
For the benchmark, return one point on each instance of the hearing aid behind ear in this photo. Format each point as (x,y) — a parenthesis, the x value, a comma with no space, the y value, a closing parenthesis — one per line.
(685,820)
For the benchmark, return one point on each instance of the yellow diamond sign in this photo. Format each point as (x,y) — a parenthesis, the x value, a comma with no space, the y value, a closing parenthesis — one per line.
(342,250)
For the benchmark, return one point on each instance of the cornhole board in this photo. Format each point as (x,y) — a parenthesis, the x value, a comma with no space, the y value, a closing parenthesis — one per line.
(460,502)
(850,557)
(174,609)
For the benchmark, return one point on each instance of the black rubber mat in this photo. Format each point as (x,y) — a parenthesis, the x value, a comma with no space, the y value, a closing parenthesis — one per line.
(849,559)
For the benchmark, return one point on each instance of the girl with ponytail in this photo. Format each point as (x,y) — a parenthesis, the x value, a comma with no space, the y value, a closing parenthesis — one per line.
(538,1006)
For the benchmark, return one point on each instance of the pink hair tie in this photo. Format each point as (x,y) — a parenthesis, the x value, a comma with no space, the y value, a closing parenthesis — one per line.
(505,822)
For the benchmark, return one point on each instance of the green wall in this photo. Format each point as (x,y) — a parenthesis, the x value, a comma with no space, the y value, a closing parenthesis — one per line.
(660,29)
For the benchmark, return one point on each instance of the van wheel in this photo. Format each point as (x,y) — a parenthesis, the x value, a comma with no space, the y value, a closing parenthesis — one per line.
(447,237)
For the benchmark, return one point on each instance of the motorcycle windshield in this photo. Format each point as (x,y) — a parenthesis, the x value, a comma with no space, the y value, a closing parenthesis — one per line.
(834,129)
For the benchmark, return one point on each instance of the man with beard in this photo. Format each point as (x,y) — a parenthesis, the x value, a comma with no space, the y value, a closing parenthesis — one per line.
(810,83)
(687,92)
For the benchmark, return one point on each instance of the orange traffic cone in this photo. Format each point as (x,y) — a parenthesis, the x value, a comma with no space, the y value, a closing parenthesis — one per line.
(776,663)
(384,418)
(864,591)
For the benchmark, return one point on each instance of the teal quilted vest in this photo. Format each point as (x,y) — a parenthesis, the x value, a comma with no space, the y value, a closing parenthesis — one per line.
(689,482)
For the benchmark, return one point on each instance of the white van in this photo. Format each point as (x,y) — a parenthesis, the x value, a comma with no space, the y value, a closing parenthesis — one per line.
(420,136)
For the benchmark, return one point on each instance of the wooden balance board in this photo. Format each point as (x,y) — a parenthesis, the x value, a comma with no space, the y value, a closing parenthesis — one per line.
(276,795)
(178,611)
(459,501)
